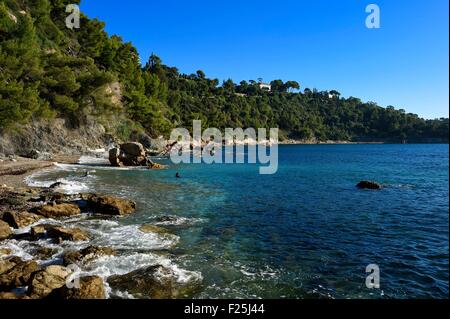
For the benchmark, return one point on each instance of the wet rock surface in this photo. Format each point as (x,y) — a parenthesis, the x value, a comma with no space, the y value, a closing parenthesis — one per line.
(87,255)
(5,230)
(91,287)
(14,272)
(43,282)
(20,219)
(154,282)
(109,205)
(70,234)
(55,210)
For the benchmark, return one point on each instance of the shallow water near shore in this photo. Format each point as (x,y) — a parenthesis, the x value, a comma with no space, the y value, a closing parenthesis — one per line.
(305,232)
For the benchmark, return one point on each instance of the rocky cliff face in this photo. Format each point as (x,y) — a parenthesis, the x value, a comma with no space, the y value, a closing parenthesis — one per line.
(55,136)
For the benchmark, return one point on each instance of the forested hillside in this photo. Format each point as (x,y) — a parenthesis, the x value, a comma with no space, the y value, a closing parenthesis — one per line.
(50,71)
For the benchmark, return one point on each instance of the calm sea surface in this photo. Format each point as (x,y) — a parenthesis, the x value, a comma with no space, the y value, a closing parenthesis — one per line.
(305,232)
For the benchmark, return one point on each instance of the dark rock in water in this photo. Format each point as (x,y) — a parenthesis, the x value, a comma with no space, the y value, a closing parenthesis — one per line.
(154,282)
(55,210)
(91,287)
(70,234)
(87,255)
(369,185)
(108,205)
(128,154)
(56,185)
(38,231)
(43,282)
(114,155)
(5,230)
(45,253)
(20,220)
(167,219)
(15,273)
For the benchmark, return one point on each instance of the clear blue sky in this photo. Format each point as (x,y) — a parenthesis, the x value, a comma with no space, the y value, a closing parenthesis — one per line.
(322,44)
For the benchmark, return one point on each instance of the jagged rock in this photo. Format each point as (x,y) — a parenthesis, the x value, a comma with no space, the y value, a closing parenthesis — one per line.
(16,273)
(153,229)
(43,282)
(155,282)
(128,154)
(91,287)
(20,220)
(369,185)
(108,205)
(70,234)
(87,255)
(7,264)
(5,230)
(58,210)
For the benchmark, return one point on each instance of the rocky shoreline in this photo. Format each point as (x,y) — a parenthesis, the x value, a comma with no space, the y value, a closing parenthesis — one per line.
(29,215)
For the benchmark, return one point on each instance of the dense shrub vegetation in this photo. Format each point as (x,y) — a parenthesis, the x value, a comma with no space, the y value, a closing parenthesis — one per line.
(49,70)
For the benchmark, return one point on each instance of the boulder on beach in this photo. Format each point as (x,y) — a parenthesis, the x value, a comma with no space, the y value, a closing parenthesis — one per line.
(154,282)
(69,234)
(128,154)
(43,282)
(20,219)
(91,287)
(109,205)
(369,185)
(87,255)
(5,230)
(55,210)
(14,273)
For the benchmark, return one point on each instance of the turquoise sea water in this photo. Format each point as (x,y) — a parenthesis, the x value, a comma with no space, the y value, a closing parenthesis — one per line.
(305,232)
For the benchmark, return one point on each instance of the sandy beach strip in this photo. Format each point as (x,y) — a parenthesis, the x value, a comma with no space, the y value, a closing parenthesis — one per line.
(13,173)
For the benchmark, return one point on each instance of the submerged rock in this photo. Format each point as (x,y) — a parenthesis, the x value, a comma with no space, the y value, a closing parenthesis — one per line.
(108,205)
(5,230)
(43,282)
(91,287)
(87,255)
(20,220)
(153,229)
(369,185)
(58,210)
(15,272)
(70,234)
(155,282)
